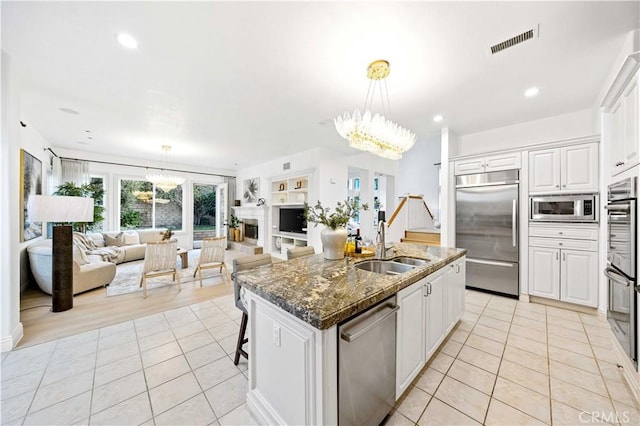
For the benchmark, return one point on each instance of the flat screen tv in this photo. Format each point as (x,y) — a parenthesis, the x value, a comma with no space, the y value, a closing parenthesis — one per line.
(292,220)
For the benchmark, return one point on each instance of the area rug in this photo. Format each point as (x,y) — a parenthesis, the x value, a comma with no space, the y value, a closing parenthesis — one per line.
(127,279)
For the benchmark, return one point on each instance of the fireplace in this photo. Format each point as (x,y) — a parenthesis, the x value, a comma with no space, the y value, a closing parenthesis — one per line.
(250,230)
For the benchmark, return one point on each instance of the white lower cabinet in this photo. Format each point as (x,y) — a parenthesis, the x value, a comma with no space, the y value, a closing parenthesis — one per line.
(564,274)
(410,338)
(429,309)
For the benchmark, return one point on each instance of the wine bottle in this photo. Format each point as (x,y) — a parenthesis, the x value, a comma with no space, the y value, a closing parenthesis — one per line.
(358,241)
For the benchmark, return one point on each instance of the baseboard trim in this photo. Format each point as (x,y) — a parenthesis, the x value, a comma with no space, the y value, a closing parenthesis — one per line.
(628,371)
(7,343)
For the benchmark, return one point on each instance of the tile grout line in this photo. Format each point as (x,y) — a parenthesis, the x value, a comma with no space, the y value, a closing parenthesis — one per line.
(144,374)
(28,412)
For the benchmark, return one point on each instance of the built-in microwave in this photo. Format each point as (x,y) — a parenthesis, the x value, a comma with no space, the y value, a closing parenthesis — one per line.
(564,208)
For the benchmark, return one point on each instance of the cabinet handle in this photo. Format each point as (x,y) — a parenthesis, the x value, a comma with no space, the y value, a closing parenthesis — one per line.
(457,269)
(557,186)
(564,257)
(560,233)
(559,244)
(556,255)
(619,163)
(428,288)
(564,186)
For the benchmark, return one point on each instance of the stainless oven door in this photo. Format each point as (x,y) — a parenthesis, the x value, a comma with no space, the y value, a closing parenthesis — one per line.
(621,311)
(621,252)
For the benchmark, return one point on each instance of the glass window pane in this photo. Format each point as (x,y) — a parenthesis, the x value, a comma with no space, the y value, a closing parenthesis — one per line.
(169,208)
(97,188)
(136,198)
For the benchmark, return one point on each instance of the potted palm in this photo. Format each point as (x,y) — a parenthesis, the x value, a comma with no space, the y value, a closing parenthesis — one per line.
(334,234)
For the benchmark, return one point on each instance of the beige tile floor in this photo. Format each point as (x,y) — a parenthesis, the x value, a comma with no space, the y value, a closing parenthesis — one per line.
(506,363)
(515,363)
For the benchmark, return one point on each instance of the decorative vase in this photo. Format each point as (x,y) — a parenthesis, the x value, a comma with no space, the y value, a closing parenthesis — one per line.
(239,234)
(333,241)
(232,234)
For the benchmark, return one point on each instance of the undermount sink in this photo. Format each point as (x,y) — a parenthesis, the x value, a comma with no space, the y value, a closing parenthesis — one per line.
(410,261)
(387,267)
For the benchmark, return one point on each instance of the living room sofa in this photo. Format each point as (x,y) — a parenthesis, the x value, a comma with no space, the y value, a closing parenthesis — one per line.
(89,272)
(133,251)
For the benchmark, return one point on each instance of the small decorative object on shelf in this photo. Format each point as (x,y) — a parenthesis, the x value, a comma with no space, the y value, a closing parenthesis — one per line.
(166,235)
(261,202)
(281,187)
(334,235)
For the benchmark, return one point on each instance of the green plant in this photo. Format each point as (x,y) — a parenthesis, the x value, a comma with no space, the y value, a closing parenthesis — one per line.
(344,211)
(90,190)
(234,222)
(130,219)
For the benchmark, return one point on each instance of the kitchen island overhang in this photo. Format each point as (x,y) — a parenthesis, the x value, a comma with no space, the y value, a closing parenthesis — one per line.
(294,310)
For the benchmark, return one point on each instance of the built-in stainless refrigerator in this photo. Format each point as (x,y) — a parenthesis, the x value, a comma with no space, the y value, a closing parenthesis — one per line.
(487,226)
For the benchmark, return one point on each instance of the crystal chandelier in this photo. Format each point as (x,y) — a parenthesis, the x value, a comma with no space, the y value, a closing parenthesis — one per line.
(374,133)
(164,181)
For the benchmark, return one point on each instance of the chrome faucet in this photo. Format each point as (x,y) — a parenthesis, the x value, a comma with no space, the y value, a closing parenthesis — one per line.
(380,241)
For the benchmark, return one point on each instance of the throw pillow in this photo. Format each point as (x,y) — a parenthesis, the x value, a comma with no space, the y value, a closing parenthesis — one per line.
(116,240)
(79,256)
(131,238)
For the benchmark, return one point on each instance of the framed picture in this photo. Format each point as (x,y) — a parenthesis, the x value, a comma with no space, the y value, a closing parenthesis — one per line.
(30,183)
(251,190)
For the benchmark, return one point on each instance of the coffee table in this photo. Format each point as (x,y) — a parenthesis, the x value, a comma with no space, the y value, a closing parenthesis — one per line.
(184,257)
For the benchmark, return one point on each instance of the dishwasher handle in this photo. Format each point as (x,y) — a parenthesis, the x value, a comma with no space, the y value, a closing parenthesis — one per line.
(391,309)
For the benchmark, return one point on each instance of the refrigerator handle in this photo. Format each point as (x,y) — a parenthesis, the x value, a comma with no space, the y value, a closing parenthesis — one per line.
(514,227)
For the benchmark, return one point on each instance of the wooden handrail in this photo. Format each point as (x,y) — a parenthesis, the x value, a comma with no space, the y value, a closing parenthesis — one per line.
(397,211)
(427,207)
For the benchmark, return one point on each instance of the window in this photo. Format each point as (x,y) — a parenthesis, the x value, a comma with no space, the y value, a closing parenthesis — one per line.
(97,188)
(137,206)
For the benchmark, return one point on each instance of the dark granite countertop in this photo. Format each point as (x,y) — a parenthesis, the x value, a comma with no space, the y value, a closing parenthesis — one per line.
(325,292)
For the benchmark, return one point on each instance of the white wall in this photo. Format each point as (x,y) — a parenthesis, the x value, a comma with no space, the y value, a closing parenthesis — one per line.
(550,129)
(417,173)
(14,270)
(329,181)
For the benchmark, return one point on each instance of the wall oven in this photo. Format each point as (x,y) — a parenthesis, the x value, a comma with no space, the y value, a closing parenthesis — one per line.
(621,264)
(564,208)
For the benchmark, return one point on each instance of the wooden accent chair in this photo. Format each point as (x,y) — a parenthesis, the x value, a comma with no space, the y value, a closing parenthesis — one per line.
(212,256)
(160,258)
(243,264)
(300,252)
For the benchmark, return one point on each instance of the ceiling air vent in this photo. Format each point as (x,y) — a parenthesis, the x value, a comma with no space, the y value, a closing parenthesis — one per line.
(527,35)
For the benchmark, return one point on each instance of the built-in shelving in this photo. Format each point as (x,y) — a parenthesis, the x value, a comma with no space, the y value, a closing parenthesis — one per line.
(293,190)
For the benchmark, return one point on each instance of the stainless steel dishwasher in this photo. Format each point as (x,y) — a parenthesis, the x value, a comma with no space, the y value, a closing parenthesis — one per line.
(367,365)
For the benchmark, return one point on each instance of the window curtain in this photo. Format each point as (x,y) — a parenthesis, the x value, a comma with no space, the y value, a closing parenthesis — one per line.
(75,171)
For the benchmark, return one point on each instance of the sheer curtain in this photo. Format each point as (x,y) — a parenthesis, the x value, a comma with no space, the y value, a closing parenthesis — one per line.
(75,171)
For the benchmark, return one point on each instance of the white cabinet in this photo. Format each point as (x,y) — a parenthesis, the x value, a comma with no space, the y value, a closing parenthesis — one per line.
(563,268)
(571,168)
(435,312)
(625,136)
(621,105)
(410,339)
(429,309)
(491,163)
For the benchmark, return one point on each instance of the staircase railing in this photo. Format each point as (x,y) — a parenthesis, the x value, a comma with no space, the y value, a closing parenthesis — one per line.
(412,213)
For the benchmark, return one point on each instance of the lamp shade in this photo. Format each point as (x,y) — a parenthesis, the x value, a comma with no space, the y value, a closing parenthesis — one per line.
(53,208)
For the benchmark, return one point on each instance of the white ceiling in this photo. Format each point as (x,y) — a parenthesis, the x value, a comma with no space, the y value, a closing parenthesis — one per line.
(230,85)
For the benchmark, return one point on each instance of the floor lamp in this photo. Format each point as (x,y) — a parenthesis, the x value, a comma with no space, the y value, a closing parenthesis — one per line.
(58,209)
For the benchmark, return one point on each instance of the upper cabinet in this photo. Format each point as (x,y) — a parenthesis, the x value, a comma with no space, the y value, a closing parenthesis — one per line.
(622,104)
(491,163)
(571,168)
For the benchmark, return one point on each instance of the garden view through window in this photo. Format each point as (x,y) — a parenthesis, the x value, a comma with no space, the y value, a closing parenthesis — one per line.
(138,210)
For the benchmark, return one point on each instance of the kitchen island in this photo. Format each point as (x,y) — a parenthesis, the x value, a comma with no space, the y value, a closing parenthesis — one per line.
(295,308)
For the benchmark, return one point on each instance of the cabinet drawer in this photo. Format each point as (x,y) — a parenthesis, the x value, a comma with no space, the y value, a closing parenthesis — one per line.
(578,233)
(562,243)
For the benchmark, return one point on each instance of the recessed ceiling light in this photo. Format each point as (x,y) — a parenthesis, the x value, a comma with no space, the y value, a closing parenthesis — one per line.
(127,41)
(69,111)
(531,92)
(437,118)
